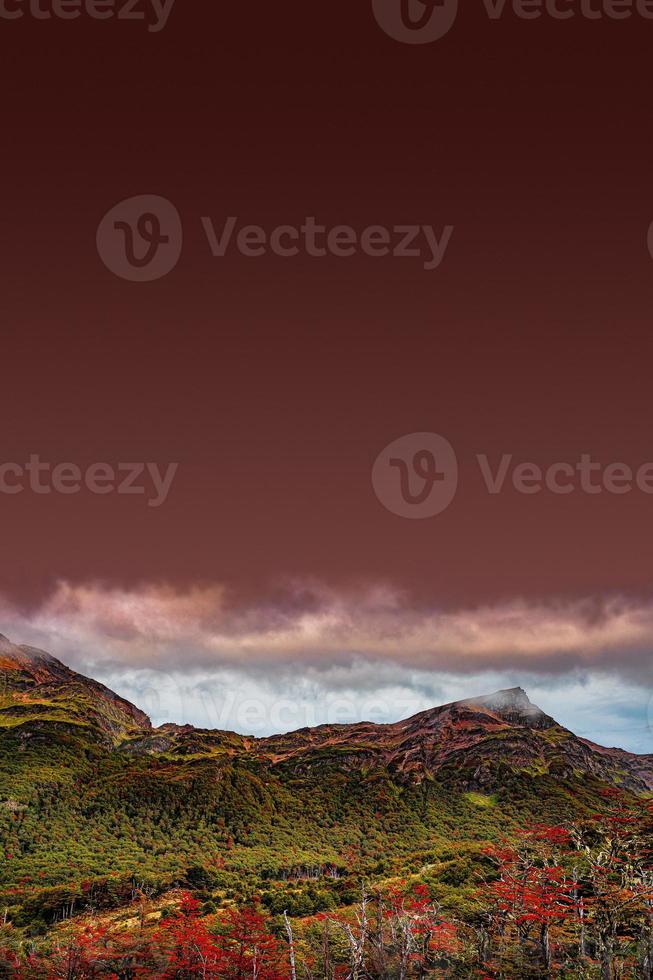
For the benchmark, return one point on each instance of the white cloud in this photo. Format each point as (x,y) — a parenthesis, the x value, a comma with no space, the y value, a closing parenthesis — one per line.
(316,655)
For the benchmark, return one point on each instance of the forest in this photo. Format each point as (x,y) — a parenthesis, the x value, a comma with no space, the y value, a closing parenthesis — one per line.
(479,839)
(571,900)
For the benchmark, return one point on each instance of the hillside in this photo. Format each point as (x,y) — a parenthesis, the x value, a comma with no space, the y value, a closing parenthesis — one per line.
(39,692)
(40,696)
(94,801)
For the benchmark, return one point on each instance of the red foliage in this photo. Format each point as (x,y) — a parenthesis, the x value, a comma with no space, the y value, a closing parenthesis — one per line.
(178,948)
(532,894)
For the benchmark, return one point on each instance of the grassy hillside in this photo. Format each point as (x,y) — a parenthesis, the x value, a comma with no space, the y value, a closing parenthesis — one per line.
(100,813)
(74,813)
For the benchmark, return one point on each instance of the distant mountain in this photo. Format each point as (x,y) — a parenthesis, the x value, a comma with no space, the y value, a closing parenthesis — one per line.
(470,739)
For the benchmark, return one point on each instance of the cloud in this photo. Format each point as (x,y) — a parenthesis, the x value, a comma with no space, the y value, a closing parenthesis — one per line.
(313,654)
(157,625)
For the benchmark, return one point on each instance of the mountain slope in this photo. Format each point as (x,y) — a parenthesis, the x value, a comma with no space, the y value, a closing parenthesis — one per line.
(93,798)
(472,738)
(39,692)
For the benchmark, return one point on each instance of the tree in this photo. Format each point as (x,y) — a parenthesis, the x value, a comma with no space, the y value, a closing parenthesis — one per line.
(531,893)
(249,951)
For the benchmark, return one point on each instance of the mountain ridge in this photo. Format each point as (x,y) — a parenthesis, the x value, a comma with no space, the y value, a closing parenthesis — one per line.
(32,679)
(41,697)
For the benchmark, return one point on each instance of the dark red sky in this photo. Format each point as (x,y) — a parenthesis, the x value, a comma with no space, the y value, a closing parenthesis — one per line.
(276,383)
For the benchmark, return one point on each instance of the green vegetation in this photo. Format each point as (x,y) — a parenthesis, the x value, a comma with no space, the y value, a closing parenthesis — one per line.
(106,822)
(76,818)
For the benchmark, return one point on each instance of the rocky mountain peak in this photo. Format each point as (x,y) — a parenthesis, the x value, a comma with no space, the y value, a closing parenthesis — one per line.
(514,705)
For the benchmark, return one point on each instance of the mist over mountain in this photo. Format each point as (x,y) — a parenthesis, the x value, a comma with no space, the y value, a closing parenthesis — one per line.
(42,697)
